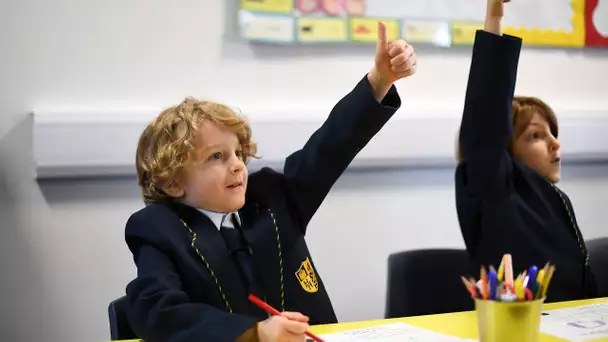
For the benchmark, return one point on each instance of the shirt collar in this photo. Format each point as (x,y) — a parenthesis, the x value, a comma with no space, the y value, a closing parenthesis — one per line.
(220,219)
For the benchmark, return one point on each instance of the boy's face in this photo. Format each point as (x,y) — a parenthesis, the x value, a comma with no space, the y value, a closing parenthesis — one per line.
(217,178)
(539,149)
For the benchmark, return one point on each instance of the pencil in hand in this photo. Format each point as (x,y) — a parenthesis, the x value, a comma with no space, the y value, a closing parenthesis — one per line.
(264,306)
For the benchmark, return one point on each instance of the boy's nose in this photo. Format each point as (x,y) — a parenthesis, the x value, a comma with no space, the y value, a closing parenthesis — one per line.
(237,165)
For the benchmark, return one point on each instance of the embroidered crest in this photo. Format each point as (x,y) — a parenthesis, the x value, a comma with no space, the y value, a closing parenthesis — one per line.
(307,277)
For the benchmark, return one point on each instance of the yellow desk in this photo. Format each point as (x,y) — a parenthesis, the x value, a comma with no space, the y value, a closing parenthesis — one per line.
(459,324)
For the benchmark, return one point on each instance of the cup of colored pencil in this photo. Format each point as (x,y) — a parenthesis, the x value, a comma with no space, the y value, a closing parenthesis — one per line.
(508,308)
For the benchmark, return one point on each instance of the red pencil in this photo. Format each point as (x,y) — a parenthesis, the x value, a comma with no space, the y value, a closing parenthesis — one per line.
(263,305)
(470,288)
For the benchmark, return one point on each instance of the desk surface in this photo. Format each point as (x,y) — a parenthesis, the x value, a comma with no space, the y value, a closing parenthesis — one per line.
(459,324)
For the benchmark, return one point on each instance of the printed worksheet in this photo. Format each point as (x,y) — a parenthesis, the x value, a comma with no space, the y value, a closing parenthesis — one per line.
(581,323)
(395,332)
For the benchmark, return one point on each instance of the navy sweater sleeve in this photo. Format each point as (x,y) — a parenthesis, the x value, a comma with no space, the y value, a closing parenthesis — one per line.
(159,310)
(486,121)
(310,172)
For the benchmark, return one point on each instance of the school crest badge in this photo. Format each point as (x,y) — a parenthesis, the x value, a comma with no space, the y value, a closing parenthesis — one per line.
(307,277)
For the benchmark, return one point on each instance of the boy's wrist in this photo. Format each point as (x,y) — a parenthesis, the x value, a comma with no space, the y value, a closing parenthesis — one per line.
(493,24)
(379,85)
(492,17)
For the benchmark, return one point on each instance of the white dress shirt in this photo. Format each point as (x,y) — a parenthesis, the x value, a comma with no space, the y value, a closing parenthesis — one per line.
(221,219)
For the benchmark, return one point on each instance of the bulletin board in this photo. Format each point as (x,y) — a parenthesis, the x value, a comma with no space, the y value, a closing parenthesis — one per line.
(596,23)
(561,23)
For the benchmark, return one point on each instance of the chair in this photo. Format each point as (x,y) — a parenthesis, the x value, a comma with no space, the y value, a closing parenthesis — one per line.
(427,281)
(120,329)
(598,261)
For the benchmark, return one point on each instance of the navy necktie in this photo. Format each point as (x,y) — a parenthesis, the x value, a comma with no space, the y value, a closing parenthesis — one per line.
(240,252)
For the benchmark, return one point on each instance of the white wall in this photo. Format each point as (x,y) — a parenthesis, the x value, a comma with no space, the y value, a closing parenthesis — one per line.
(107,54)
(62,242)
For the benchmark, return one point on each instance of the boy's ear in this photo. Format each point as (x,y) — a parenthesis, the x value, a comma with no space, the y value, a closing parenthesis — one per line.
(173,189)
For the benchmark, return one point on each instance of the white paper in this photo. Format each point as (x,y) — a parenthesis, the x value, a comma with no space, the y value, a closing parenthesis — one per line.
(395,332)
(541,14)
(581,323)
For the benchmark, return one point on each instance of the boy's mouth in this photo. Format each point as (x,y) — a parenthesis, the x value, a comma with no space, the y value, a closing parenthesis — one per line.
(556,160)
(235,185)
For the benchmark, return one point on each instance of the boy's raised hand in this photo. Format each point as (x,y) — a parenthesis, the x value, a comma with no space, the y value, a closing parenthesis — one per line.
(495,8)
(494,12)
(393,61)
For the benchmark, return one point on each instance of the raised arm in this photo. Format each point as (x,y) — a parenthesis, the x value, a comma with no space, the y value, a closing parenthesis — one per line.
(486,121)
(310,172)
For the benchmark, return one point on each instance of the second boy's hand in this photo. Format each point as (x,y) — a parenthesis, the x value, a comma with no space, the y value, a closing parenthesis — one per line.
(494,13)
(393,61)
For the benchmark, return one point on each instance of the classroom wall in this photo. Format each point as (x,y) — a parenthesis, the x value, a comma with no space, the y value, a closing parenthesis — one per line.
(68,54)
(62,250)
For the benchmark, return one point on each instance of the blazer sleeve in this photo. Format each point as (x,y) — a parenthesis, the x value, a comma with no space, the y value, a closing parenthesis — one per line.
(310,172)
(486,121)
(159,310)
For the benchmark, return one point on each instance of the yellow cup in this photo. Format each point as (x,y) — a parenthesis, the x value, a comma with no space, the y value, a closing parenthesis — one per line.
(508,321)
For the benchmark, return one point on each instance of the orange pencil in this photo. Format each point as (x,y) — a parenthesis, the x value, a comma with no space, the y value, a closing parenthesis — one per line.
(484,283)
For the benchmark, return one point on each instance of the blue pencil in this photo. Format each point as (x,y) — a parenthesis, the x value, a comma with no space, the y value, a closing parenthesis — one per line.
(532,284)
(493,284)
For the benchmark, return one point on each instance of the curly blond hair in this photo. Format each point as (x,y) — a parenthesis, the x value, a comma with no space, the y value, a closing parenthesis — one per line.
(167,145)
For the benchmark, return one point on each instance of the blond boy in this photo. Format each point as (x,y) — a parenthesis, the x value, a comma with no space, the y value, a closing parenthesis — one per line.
(211,234)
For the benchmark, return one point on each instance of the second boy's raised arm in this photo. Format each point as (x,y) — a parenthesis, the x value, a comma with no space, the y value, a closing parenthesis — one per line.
(310,172)
(486,124)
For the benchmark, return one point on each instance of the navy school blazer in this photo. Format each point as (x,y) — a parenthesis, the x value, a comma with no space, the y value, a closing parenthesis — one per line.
(189,289)
(504,206)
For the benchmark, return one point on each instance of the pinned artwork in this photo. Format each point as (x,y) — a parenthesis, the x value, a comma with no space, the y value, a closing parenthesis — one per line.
(560,23)
(366,29)
(268,6)
(596,22)
(354,8)
(316,30)
(600,17)
(332,7)
(308,6)
(424,31)
(267,27)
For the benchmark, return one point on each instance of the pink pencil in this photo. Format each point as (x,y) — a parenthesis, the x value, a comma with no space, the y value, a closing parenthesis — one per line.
(508,261)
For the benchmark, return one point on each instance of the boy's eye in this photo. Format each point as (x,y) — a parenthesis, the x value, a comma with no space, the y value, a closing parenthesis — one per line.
(535,135)
(239,154)
(216,155)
